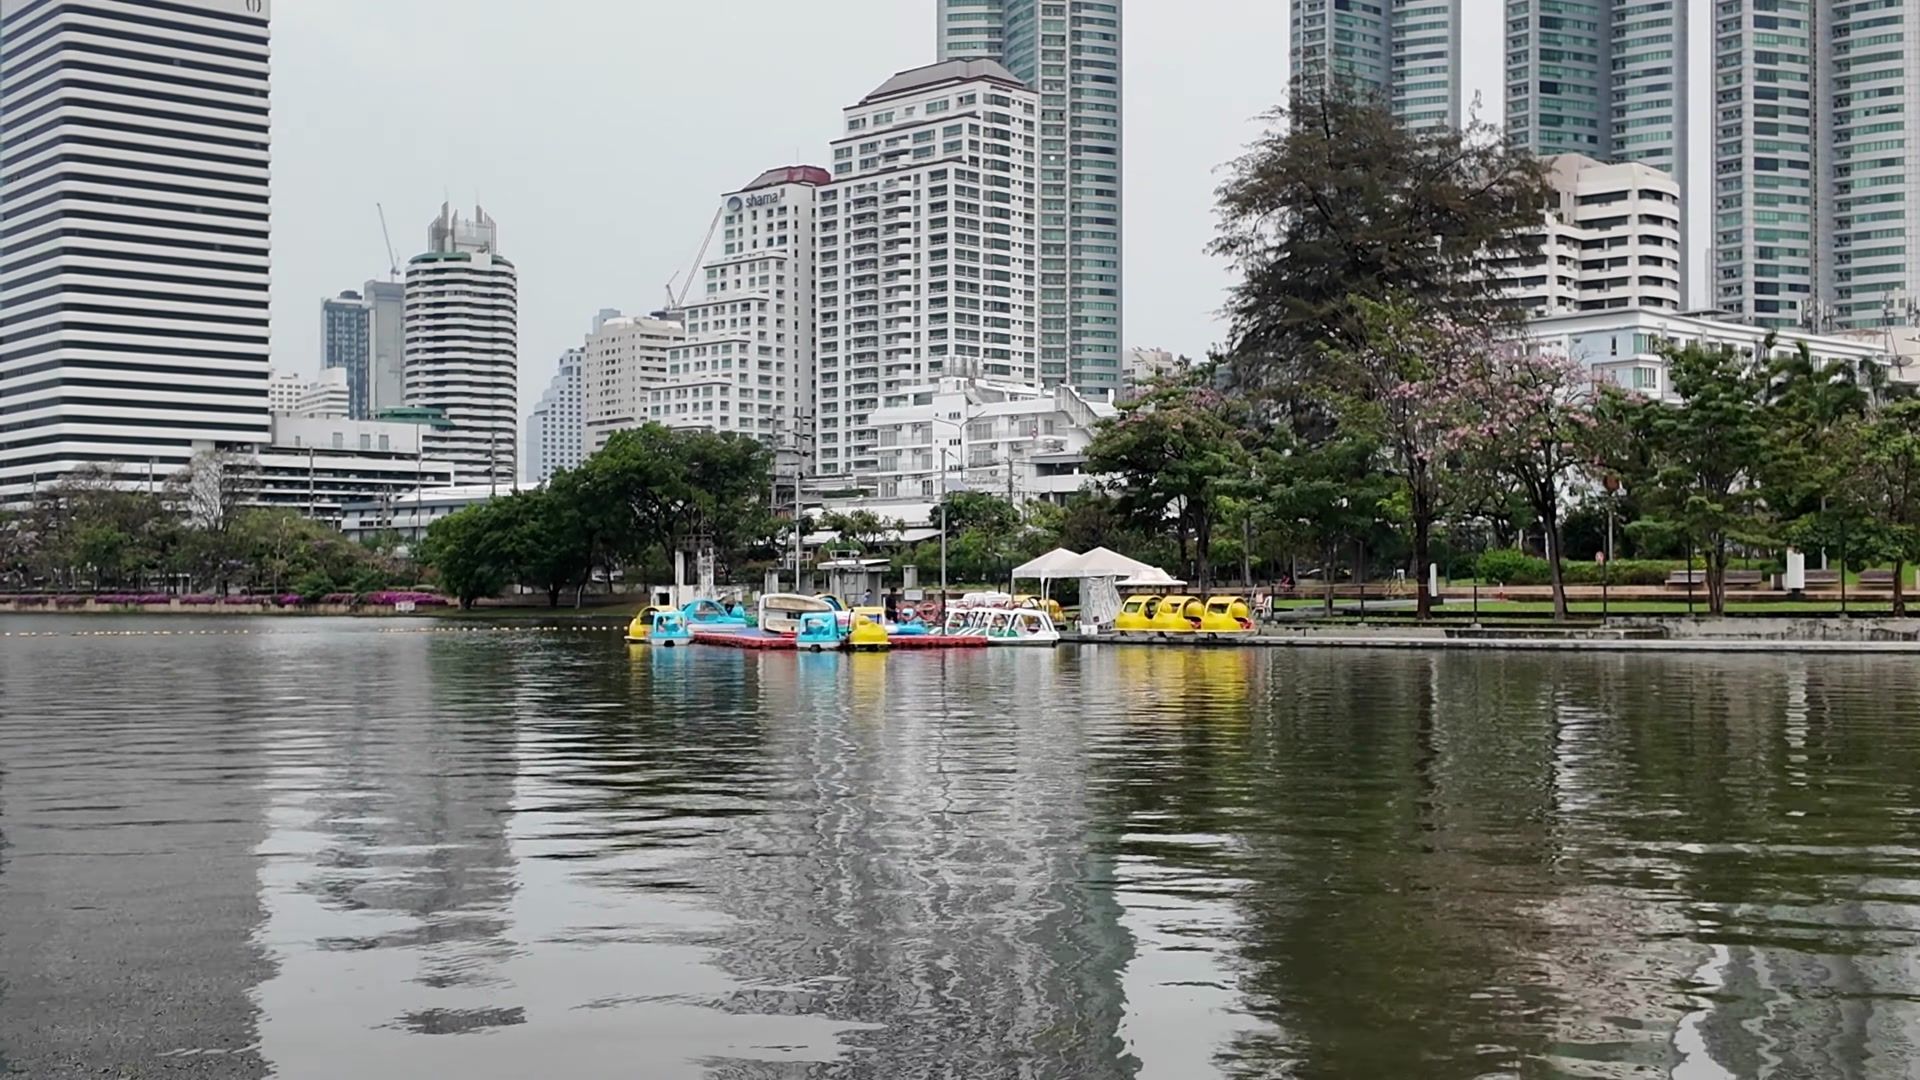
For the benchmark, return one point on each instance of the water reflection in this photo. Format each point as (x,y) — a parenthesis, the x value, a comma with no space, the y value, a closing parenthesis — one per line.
(319,850)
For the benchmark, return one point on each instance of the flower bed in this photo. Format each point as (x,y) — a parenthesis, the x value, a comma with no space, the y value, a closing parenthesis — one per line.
(417,599)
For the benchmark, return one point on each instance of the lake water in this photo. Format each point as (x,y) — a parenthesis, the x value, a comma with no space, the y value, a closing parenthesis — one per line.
(334,849)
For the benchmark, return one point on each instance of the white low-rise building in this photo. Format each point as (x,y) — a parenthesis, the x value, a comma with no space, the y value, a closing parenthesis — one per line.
(978,435)
(316,465)
(409,513)
(330,395)
(1611,241)
(1623,347)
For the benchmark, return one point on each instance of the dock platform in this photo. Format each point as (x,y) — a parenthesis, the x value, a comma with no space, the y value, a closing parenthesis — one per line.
(760,641)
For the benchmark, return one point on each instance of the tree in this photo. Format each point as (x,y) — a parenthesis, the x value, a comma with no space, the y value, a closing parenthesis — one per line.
(1173,454)
(466,549)
(1401,387)
(540,541)
(212,490)
(980,510)
(1708,452)
(1340,200)
(675,489)
(861,528)
(1321,496)
(1527,416)
(1882,455)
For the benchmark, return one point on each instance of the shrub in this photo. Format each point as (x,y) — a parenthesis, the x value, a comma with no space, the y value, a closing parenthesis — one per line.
(1509,567)
(313,586)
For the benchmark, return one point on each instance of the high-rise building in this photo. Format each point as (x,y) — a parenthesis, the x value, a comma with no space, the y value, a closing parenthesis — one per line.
(1610,80)
(346,343)
(1604,78)
(626,360)
(1610,240)
(134,223)
(746,364)
(462,345)
(1406,52)
(924,253)
(387,311)
(556,429)
(1069,54)
(1869,251)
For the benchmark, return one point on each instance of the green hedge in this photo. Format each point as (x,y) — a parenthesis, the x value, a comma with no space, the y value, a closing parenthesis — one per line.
(1509,567)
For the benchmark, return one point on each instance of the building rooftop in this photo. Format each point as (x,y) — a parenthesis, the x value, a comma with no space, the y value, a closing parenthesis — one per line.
(790,174)
(946,71)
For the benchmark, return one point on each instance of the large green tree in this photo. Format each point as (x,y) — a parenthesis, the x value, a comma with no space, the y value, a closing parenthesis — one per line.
(1172,455)
(1340,200)
(678,490)
(1881,458)
(1708,455)
(471,551)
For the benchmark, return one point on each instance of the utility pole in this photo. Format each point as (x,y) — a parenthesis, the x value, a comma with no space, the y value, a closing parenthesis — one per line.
(313,489)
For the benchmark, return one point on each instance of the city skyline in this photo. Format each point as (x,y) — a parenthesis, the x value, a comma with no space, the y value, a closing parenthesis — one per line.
(603,222)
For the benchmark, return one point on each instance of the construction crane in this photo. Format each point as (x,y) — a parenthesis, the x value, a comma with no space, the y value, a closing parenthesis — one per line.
(675,300)
(393,261)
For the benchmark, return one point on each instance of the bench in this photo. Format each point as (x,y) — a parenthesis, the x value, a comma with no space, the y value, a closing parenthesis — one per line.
(1735,579)
(1876,580)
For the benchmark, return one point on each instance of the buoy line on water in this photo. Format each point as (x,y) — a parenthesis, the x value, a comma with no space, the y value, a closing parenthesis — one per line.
(248,632)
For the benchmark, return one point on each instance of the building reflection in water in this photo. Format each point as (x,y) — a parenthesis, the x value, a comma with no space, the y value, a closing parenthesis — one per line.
(503,855)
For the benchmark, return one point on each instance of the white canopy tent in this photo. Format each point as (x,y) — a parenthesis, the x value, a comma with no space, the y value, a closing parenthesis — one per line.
(1057,563)
(1152,578)
(1104,563)
(1098,570)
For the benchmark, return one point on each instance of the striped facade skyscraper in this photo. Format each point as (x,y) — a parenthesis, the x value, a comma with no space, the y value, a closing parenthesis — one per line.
(1068,53)
(462,346)
(134,247)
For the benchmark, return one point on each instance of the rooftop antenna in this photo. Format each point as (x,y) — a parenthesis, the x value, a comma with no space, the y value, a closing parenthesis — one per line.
(393,261)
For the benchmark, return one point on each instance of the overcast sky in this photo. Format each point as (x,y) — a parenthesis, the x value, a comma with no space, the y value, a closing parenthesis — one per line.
(598,133)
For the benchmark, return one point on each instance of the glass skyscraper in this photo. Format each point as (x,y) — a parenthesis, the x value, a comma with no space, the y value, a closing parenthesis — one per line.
(1406,51)
(346,341)
(1605,78)
(1069,52)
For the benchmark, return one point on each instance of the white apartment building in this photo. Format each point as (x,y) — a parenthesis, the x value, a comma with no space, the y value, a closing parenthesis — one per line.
(1144,366)
(134,246)
(557,427)
(328,396)
(746,364)
(291,394)
(1622,346)
(626,360)
(284,390)
(1612,240)
(976,434)
(462,344)
(925,249)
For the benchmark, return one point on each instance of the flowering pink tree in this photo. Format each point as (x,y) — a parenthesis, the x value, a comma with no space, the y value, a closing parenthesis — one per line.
(1404,387)
(1525,415)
